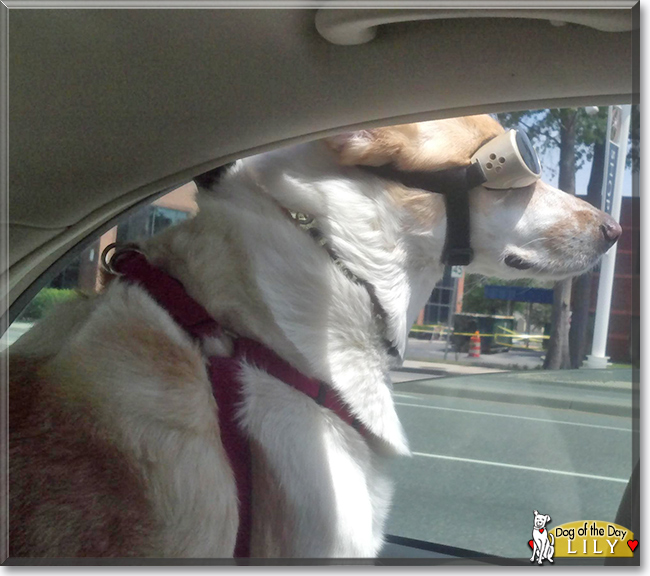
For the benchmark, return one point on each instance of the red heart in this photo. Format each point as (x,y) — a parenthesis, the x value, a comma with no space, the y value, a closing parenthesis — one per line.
(530,543)
(541,529)
(633,544)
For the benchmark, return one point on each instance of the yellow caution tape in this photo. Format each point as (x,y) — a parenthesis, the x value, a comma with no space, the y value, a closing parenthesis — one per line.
(514,335)
(433,328)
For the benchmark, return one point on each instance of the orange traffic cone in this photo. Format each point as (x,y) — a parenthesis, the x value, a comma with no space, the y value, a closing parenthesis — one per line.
(475,346)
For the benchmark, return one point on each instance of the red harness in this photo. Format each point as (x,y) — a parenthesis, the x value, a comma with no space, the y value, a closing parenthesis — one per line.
(134,267)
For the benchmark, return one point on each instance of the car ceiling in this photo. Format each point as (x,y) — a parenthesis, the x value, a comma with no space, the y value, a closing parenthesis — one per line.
(108,108)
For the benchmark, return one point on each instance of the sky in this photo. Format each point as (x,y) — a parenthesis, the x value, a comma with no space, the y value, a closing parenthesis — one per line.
(582,176)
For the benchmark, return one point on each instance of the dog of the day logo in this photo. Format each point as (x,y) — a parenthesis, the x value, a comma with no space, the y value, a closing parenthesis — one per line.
(581,539)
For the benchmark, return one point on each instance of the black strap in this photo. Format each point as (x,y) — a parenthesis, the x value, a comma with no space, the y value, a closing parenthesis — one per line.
(208,179)
(454,184)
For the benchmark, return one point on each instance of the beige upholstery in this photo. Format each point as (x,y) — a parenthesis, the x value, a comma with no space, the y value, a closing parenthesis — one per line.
(110,107)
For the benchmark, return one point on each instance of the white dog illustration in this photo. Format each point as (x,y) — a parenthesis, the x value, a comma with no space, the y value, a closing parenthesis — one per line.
(541,544)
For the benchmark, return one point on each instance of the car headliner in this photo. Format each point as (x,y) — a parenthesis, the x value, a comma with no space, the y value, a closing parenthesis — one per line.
(112,107)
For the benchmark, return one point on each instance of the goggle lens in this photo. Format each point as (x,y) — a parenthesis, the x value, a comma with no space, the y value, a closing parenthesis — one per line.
(528,154)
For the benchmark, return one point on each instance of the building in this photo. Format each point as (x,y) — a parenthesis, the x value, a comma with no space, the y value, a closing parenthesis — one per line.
(624,319)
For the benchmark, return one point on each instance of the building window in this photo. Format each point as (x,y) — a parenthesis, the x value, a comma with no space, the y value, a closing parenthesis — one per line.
(436,310)
(148,221)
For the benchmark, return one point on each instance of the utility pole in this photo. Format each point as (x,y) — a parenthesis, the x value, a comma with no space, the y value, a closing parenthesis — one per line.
(618,129)
(457,272)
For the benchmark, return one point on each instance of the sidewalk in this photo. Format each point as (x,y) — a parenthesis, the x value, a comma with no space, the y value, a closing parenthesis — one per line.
(434,351)
(446,368)
(601,391)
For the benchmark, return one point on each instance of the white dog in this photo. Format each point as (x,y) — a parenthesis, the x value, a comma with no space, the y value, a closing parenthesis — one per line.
(116,445)
(543,542)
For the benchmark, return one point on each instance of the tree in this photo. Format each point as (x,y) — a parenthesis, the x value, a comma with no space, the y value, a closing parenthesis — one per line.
(573,133)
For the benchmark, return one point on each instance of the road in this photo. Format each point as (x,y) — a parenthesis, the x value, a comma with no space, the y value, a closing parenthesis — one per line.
(480,468)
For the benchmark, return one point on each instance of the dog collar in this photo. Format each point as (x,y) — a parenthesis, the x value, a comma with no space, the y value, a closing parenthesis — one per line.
(454,184)
(308,224)
(130,264)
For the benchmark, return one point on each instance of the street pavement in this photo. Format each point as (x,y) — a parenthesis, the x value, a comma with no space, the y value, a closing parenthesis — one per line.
(479,468)
(490,446)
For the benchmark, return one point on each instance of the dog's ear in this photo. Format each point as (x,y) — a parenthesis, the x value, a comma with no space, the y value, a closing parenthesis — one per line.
(210,178)
(548,518)
(535,512)
(404,146)
(434,145)
(369,147)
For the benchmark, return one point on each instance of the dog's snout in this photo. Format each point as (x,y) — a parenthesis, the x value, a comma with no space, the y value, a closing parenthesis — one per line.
(611,230)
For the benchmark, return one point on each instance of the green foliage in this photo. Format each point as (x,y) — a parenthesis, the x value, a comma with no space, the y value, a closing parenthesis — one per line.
(540,315)
(544,128)
(45,300)
(474,299)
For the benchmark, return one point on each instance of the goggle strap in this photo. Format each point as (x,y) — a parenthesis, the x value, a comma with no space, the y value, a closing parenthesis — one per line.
(457,250)
(454,184)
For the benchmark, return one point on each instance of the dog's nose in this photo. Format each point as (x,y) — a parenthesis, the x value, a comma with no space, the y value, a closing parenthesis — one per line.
(611,230)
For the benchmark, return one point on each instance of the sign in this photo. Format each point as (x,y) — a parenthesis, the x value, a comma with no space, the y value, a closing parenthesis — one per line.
(593,539)
(612,162)
(457,271)
(612,159)
(583,539)
(519,294)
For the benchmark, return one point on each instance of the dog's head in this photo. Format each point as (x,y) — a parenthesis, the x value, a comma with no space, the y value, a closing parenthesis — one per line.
(541,519)
(536,230)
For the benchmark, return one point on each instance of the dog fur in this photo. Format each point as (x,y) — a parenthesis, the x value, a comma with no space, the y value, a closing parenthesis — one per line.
(114,443)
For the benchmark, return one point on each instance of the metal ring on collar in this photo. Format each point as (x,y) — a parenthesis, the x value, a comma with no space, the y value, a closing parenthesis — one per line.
(107,263)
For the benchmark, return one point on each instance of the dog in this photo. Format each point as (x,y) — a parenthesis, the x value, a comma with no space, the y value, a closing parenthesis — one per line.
(543,542)
(115,444)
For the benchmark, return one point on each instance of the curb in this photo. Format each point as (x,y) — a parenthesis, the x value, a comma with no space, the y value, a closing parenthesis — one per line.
(494,365)
(616,408)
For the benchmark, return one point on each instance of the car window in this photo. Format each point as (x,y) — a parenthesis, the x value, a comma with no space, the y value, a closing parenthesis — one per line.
(493,436)
(83,273)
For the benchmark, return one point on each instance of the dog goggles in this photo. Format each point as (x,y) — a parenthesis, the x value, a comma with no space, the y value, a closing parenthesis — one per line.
(506,161)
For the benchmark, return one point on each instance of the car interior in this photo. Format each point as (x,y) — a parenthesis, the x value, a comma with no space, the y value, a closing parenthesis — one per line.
(109,109)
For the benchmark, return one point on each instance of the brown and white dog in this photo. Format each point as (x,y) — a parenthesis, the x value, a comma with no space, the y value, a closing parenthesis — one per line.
(114,445)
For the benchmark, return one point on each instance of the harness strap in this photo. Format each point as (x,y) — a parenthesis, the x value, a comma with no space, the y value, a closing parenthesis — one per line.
(132,265)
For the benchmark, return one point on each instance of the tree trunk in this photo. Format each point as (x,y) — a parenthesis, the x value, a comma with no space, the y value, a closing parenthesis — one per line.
(582,285)
(557,356)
